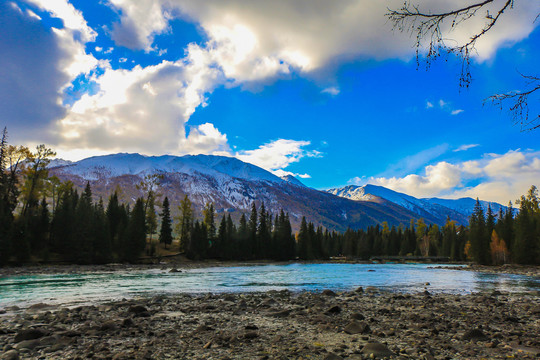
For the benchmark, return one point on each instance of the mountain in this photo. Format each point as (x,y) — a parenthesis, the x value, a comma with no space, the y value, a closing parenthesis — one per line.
(431,209)
(232,185)
(293,180)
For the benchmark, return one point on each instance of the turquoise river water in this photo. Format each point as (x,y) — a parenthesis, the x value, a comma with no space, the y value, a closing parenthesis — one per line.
(90,287)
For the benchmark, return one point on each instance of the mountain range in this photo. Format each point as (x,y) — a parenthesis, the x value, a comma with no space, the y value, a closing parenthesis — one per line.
(233,186)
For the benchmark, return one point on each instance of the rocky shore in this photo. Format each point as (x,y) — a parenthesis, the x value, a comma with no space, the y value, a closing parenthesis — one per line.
(361,324)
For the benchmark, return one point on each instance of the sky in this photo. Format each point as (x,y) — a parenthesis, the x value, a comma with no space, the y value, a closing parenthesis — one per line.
(323,90)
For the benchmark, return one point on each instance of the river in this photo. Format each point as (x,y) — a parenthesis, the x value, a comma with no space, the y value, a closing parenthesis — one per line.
(92,287)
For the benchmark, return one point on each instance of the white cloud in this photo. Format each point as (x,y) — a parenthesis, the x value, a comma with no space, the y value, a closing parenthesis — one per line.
(205,139)
(277,154)
(331,91)
(466,147)
(72,18)
(502,177)
(143,109)
(281,173)
(445,106)
(258,39)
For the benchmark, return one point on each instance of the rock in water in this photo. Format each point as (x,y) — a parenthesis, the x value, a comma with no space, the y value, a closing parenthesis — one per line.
(328,293)
(377,350)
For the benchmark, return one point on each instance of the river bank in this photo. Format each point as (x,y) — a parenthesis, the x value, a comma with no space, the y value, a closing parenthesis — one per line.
(527,270)
(280,325)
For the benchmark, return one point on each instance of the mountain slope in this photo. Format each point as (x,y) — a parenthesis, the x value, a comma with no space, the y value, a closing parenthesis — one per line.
(432,209)
(232,185)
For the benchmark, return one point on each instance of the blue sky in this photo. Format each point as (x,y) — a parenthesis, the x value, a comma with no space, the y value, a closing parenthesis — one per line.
(322,90)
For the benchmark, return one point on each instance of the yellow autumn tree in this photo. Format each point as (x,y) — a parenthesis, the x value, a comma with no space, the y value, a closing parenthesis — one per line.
(499,251)
(467,251)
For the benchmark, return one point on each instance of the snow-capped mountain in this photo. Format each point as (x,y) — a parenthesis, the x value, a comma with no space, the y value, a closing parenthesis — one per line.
(114,165)
(293,180)
(466,205)
(232,185)
(432,209)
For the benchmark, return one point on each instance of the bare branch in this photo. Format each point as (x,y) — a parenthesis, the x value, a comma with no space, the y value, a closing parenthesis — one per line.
(520,103)
(427,28)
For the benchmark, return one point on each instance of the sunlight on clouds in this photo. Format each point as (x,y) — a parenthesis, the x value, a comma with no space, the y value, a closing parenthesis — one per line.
(258,39)
(144,109)
(72,18)
(503,177)
(277,154)
(205,139)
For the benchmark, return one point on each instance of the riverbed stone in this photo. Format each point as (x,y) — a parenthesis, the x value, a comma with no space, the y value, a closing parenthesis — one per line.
(10,355)
(377,349)
(333,310)
(29,334)
(332,356)
(412,325)
(474,335)
(328,292)
(27,344)
(356,327)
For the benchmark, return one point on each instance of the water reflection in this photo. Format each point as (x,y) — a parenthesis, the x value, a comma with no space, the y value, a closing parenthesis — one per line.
(89,287)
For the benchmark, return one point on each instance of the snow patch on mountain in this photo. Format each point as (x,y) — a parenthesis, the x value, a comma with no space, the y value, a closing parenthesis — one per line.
(433,209)
(219,167)
(292,179)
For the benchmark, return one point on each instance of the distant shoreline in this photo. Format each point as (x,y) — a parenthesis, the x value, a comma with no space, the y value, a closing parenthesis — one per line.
(528,270)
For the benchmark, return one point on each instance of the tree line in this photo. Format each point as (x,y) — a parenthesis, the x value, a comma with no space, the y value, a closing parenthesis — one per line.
(43,218)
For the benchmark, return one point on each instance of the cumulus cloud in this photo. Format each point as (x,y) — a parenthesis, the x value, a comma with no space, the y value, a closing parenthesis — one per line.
(144,109)
(256,39)
(502,177)
(205,139)
(72,18)
(36,71)
(277,154)
(31,75)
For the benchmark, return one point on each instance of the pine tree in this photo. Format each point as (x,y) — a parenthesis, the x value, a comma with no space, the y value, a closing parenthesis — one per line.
(185,222)
(479,247)
(165,232)
(134,238)
(526,247)
(302,239)
(209,221)
(151,217)
(252,232)
(243,238)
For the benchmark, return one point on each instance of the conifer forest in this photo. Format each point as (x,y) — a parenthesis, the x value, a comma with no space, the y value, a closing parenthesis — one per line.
(43,219)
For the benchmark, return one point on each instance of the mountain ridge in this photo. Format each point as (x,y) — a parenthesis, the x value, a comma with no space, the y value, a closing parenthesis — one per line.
(431,208)
(233,186)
